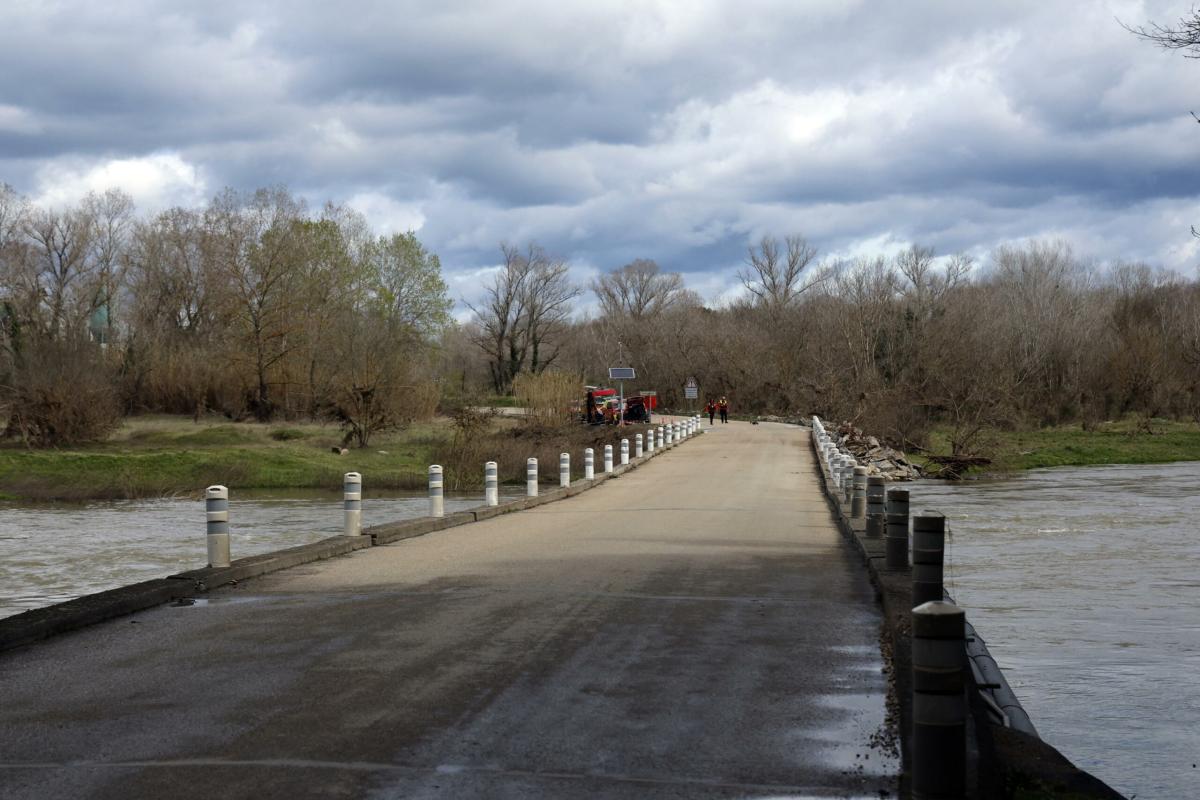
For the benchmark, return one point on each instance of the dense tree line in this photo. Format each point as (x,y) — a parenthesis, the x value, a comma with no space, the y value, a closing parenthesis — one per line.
(1030,336)
(251,306)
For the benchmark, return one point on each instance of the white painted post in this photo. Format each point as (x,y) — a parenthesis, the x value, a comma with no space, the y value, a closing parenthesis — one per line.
(491,483)
(436,505)
(216,508)
(531,477)
(661,437)
(624,452)
(670,433)
(589,464)
(564,470)
(352,503)
(637,446)
(608,458)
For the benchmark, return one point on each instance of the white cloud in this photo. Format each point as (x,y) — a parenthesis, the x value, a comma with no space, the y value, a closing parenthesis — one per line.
(387,215)
(155,182)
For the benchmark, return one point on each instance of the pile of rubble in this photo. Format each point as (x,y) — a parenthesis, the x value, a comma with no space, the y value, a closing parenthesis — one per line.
(878,458)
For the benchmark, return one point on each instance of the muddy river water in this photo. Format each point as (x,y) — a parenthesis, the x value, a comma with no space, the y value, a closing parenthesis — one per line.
(1086,584)
(51,553)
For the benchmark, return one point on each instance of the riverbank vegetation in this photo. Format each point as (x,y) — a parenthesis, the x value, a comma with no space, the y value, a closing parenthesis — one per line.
(256,309)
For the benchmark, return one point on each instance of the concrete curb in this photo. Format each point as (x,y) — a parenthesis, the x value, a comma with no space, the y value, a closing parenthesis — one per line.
(41,623)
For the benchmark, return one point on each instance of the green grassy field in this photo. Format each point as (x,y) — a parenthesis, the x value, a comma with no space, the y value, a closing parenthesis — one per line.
(1120,442)
(157,456)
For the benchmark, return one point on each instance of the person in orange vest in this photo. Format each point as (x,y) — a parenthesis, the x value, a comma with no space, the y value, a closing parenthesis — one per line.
(723,407)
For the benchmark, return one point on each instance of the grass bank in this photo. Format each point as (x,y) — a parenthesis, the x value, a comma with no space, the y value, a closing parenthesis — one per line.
(163,456)
(1116,442)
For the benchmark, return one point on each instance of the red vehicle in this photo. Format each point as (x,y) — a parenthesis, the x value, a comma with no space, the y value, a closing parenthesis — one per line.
(601,407)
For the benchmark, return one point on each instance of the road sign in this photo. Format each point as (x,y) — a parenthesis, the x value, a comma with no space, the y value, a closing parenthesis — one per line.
(690,383)
(621,374)
(691,393)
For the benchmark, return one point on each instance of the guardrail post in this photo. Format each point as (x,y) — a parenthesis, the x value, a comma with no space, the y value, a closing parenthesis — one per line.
(216,510)
(531,478)
(564,470)
(436,506)
(939,743)
(624,452)
(876,489)
(491,483)
(608,461)
(352,504)
(928,550)
(637,446)
(897,529)
(858,501)
(589,464)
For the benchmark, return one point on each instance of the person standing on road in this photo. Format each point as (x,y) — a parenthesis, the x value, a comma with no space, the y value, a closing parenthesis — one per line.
(723,406)
(711,410)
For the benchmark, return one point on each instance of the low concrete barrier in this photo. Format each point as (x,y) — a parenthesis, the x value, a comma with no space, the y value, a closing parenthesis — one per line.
(1006,758)
(36,624)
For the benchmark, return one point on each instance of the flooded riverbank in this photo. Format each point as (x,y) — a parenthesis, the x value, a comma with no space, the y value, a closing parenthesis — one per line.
(1086,584)
(55,552)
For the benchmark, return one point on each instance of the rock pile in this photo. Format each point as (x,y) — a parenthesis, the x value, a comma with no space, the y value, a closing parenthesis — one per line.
(878,458)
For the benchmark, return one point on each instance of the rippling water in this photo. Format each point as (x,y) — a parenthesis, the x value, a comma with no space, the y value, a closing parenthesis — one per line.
(1085,582)
(51,553)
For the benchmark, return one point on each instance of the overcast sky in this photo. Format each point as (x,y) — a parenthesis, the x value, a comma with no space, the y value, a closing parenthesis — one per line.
(678,131)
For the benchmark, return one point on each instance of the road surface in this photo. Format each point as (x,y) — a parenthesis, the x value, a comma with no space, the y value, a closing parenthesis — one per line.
(695,628)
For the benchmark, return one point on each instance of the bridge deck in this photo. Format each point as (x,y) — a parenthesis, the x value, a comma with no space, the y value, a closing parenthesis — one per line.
(695,628)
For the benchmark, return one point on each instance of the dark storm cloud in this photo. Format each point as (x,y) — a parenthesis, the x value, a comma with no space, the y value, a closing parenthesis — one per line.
(608,131)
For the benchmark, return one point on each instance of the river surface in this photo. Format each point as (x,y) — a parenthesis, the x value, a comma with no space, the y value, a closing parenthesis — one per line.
(55,552)
(1085,583)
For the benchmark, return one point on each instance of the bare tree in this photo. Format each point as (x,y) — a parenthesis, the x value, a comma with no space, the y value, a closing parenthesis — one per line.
(525,309)
(1183,35)
(774,274)
(638,290)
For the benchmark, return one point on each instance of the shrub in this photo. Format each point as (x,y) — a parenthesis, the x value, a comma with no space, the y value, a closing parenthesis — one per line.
(548,397)
(61,393)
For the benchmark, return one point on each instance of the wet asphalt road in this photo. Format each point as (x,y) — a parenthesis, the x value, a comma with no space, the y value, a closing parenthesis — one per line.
(693,629)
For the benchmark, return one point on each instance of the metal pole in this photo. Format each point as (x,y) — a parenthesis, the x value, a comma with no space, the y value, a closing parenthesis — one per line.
(352,504)
(531,478)
(928,550)
(564,470)
(216,509)
(436,505)
(491,483)
(939,743)
(897,529)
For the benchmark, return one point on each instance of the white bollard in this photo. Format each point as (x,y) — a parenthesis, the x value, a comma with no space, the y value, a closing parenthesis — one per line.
(216,508)
(650,441)
(608,459)
(637,446)
(436,505)
(352,503)
(624,452)
(589,464)
(531,477)
(564,470)
(662,441)
(670,433)
(491,483)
